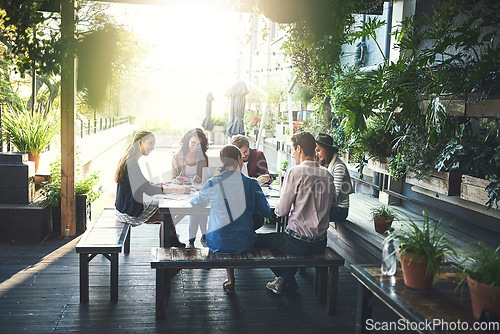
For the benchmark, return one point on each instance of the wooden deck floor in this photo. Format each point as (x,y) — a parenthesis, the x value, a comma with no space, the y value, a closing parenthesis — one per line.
(39,293)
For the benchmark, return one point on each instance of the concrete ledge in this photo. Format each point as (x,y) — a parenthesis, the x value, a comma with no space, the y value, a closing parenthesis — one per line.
(94,145)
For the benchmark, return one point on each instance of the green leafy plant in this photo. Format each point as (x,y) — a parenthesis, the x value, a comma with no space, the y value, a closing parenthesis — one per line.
(31,131)
(284,166)
(428,240)
(483,264)
(84,184)
(221,119)
(453,58)
(314,43)
(397,167)
(383,211)
(51,190)
(87,184)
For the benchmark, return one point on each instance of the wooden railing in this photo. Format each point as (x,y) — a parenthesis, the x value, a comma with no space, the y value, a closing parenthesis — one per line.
(92,126)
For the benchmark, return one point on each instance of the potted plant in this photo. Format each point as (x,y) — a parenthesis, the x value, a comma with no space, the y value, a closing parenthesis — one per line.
(421,250)
(482,267)
(383,217)
(86,191)
(31,132)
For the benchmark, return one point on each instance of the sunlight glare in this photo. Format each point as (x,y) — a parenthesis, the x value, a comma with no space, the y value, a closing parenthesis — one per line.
(193,51)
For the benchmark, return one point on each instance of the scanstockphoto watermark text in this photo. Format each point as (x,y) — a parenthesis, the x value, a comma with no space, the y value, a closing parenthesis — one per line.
(428,325)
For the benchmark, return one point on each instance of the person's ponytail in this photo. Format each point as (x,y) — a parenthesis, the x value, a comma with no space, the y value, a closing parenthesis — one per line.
(229,156)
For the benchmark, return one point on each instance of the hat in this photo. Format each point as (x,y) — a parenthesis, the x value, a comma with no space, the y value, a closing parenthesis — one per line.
(324,139)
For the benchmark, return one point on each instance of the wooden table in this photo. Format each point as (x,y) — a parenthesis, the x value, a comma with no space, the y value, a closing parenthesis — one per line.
(418,309)
(174,207)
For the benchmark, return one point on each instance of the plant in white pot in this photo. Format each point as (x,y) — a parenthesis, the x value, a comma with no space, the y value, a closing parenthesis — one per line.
(482,267)
(421,250)
(29,131)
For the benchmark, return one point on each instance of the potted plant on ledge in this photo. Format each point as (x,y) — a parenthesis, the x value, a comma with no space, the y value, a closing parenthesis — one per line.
(31,132)
(421,251)
(86,191)
(383,217)
(482,267)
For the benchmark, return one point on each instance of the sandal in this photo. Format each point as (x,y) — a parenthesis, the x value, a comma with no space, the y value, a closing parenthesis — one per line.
(227,286)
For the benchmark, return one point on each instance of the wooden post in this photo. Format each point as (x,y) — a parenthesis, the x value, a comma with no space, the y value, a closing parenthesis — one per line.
(68,86)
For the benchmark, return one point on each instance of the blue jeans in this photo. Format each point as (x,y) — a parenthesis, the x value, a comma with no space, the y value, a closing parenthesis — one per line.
(338,214)
(291,246)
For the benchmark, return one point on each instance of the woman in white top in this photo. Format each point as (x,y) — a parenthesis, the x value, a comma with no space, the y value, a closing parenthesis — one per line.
(327,156)
(188,162)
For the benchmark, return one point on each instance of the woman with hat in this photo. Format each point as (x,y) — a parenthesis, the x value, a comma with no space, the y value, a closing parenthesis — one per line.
(327,156)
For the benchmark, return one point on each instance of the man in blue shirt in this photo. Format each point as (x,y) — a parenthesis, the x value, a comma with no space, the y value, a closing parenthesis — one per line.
(233,199)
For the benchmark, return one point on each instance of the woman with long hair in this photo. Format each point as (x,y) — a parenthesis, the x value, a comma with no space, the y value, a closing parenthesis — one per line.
(233,199)
(131,208)
(188,163)
(327,156)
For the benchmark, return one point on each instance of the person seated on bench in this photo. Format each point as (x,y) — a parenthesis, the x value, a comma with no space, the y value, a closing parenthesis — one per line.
(327,156)
(254,161)
(189,162)
(307,195)
(132,185)
(233,199)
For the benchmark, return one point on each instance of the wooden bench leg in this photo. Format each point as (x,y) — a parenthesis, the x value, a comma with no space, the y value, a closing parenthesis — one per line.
(169,274)
(320,279)
(315,281)
(114,277)
(332,290)
(364,308)
(84,278)
(126,249)
(160,293)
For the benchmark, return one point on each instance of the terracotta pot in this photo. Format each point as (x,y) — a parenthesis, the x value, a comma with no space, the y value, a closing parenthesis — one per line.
(483,297)
(414,271)
(382,223)
(36,160)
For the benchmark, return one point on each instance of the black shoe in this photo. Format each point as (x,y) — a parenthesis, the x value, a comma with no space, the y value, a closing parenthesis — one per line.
(277,286)
(174,242)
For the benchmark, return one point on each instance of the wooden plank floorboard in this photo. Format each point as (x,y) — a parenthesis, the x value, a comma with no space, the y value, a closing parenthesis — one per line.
(43,296)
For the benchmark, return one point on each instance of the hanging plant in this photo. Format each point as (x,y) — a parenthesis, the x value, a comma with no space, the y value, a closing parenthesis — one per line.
(314,43)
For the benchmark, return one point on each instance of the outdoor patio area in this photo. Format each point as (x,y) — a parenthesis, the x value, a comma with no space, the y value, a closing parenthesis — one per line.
(39,292)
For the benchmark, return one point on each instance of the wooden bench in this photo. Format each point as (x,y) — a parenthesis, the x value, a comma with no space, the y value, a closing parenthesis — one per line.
(168,262)
(108,237)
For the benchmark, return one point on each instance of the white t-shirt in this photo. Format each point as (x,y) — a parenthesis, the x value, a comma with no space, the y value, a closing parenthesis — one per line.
(244,169)
(190,171)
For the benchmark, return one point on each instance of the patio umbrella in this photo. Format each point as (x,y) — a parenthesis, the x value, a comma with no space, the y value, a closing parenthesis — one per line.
(237,109)
(207,122)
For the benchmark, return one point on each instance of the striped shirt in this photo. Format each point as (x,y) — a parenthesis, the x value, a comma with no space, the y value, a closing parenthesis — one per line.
(342,181)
